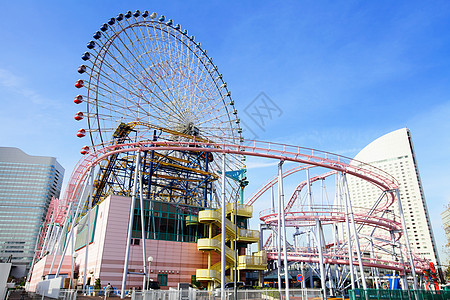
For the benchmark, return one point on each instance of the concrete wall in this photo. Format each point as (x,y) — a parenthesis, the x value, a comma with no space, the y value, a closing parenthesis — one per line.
(5,268)
(42,268)
(50,288)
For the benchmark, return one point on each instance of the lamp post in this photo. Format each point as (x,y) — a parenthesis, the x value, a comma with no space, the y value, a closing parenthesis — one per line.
(149,259)
(74,256)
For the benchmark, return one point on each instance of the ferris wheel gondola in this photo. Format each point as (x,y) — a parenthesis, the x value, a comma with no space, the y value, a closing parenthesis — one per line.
(143,69)
(146,75)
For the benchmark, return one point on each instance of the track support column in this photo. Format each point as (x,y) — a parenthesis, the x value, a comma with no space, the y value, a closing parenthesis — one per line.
(144,250)
(130,224)
(321,263)
(87,188)
(222,246)
(347,223)
(310,242)
(355,233)
(278,243)
(283,222)
(408,247)
(86,255)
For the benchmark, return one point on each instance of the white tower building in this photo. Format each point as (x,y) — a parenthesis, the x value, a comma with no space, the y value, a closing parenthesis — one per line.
(445,216)
(394,153)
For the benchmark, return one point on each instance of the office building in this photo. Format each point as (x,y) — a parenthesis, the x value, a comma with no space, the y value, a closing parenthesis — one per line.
(394,153)
(27,184)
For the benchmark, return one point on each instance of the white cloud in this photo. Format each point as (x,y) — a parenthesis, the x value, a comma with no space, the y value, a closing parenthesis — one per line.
(17,85)
(8,79)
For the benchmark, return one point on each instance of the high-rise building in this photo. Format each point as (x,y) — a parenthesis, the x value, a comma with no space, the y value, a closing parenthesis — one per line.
(27,184)
(394,153)
(445,216)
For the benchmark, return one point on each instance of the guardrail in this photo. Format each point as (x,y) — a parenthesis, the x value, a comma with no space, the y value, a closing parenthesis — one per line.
(191,293)
(242,294)
(367,294)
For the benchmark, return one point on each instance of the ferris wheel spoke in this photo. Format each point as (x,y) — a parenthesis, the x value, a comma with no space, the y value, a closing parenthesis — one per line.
(150,72)
(135,59)
(161,58)
(198,97)
(98,89)
(180,72)
(213,114)
(200,56)
(124,109)
(137,93)
(180,86)
(176,57)
(117,84)
(131,67)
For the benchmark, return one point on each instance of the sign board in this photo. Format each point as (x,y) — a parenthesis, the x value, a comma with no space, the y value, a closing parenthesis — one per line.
(299,278)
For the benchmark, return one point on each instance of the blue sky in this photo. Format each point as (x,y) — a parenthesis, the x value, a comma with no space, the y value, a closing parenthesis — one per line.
(342,73)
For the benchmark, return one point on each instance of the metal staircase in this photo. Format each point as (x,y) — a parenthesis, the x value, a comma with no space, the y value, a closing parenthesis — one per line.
(235,237)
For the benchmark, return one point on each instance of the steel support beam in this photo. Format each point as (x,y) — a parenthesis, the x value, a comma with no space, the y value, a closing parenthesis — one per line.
(355,233)
(222,246)
(144,252)
(405,233)
(283,222)
(321,266)
(130,224)
(347,223)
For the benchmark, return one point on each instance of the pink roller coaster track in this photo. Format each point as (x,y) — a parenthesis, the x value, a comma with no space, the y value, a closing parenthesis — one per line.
(305,156)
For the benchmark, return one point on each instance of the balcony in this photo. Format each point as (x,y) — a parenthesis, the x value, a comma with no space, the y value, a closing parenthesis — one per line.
(241,209)
(208,216)
(207,275)
(257,261)
(247,235)
(214,244)
(191,220)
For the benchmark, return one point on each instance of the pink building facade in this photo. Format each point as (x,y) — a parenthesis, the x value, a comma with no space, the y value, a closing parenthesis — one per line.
(174,262)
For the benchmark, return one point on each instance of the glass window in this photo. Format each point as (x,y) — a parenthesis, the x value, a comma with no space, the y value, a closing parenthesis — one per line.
(162,279)
(168,221)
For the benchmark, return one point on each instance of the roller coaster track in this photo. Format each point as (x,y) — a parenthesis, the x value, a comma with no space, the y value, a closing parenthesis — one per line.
(306,157)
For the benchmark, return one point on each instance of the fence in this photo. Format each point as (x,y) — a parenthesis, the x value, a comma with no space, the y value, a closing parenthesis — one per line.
(192,294)
(398,294)
(23,295)
(185,294)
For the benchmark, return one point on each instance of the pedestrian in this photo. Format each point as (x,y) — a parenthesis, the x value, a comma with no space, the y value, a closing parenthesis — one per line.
(108,289)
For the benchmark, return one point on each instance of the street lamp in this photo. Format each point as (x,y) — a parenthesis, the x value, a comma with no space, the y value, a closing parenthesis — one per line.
(149,259)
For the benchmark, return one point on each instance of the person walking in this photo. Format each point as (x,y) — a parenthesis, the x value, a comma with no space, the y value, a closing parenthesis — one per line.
(108,290)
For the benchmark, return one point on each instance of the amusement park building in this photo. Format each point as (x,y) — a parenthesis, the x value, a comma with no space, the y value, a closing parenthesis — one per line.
(394,154)
(174,238)
(27,184)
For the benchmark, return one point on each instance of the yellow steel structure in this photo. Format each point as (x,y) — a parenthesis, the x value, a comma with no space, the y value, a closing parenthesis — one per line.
(234,234)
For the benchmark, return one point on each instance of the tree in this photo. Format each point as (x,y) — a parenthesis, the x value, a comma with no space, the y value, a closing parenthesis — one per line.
(97,284)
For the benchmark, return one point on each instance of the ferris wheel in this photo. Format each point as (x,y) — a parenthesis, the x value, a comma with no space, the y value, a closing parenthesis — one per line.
(143,74)
(146,70)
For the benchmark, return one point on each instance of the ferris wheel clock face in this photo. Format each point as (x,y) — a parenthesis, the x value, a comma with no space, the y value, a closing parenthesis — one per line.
(142,69)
